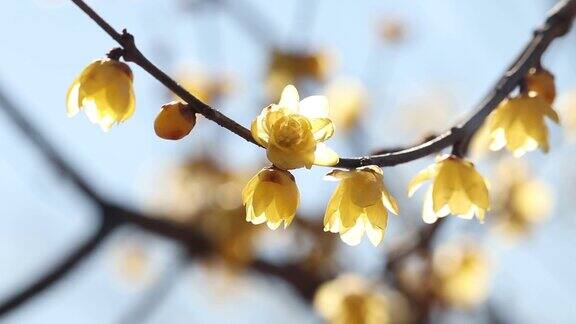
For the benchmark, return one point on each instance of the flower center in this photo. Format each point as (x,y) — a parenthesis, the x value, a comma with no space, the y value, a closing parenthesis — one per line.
(289,132)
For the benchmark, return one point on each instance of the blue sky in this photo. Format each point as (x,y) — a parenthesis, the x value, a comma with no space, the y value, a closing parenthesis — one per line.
(455,49)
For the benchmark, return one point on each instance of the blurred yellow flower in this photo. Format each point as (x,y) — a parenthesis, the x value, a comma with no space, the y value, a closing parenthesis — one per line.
(348,99)
(518,124)
(292,131)
(461,275)
(104,91)
(349,299)
(205,87)
(521,201)
(457,188)
(271,196)
(291,67)
(541,82)
(174,121)
(359,204)
(192,188)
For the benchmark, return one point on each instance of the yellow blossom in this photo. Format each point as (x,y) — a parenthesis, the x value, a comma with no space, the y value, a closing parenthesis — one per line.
(208,88)
(174,121)
(271,196)
(541,82)
(349,299)
(359,205)
(347,98)
(291,67)
(461,275)
(521,201)
(104,91)
(292,131)
(518,124)
(457,188)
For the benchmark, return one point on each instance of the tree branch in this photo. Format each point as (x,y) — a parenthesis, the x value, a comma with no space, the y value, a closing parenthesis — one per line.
(40,142)
(557,24)
(59,270)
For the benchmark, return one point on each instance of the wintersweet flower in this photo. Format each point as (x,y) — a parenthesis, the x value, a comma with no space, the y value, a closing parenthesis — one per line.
(174,121)
(292,131)
(350,299)
(271,196)
(461,275)
(457,188)
(359,204)
(104,91)
(348,100)
(518,124)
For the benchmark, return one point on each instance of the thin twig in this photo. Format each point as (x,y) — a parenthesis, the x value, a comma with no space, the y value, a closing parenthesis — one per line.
(557,24)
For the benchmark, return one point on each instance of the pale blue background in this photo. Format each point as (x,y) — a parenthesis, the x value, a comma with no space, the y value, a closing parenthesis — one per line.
(456,48)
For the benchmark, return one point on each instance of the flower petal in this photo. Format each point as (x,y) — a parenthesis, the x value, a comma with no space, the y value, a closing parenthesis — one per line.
(314,107)
(322,128)
(290,98)
(323,155)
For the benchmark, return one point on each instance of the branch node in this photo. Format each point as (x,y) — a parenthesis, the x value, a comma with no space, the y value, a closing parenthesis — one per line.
(115,53)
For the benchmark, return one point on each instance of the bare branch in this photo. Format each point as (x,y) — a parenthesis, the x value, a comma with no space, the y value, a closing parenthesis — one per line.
(40,142)
(59,270)
(557,24)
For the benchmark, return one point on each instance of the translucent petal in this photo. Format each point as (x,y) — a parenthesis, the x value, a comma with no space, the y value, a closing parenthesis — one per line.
(428,214)
(290,98)
(377,215)
(322,128)
(390,202)
(375,235)
(325,156)
(72,106)
(262,198)
(314,107)
(353,236)
(420,178)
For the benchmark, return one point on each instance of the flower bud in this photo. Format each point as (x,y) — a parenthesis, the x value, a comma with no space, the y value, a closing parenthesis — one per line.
(174,121)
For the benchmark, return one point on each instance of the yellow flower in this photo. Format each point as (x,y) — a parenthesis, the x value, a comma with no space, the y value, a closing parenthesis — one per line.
(104,90)
(518,124)
(293,131)
(461,275)
(349,299)
(291,67)
(347,98)
(521,200)
(359,205)
(541,82)
(271,196)
(174,121)
(457,188)
(208,88)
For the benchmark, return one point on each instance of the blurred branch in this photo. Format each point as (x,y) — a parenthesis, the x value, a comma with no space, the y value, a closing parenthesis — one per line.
(30,132)
(113,216)
(59,270)
(252,19)
(557,24)
(423,243)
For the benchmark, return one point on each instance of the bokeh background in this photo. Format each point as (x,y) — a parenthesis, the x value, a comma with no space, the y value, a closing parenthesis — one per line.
(423,66)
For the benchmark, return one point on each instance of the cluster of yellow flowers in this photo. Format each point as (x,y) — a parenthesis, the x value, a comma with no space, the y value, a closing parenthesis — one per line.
(293,133)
